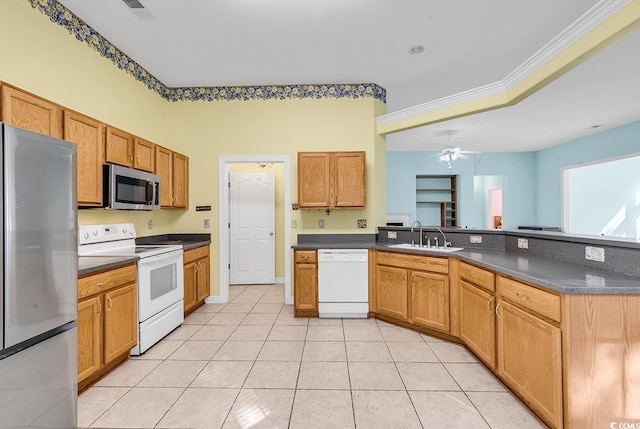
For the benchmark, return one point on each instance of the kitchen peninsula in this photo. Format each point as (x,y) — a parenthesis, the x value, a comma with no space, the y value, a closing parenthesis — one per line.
(559,330)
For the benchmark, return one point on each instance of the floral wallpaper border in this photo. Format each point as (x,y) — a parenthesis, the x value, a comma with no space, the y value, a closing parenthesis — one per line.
(60,15)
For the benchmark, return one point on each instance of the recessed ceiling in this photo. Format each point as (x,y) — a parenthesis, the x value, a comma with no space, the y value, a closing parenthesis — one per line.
(467,44)
(600,94)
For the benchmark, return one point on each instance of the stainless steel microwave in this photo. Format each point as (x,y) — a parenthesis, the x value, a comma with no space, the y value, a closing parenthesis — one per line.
(129,189)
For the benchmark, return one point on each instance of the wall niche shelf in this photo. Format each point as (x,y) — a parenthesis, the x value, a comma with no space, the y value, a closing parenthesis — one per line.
(436,198)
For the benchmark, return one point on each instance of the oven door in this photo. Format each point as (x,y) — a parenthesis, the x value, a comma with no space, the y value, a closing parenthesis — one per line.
(160,283)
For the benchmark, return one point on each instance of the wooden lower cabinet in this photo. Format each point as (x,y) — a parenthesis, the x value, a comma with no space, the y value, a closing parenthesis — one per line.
(107,322)
(413,289)
(530,360)
(477,321)
(429,300)
(196,278)
(392,292)
(305,283)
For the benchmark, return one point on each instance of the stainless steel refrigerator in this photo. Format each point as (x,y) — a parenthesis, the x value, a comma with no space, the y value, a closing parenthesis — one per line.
(38,303)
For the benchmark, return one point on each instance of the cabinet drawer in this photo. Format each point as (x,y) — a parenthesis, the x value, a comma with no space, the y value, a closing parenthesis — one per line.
(478,276)
(303,256)
(415,262)
(544,303)
(101,282)
(195,254)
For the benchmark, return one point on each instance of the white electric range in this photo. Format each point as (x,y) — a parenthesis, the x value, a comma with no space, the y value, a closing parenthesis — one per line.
(160,277)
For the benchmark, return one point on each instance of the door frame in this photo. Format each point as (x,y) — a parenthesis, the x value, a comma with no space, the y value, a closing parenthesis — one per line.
(223,220)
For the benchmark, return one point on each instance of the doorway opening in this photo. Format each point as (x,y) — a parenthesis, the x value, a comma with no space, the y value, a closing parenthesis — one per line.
(224,164)
(494,206)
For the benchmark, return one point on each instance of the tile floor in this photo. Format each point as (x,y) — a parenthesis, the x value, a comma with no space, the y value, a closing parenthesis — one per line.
(251,364)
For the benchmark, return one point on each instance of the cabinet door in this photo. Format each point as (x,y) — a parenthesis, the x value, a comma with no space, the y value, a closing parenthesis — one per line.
(120,321)
(305,291)
(429,303)
(88,135)
(202,280)
(144,155)
(348,179)
(32,113)
(164,168)
(477,322)
(190,280)
(89,337)
(530,359)
(391,291)
(119,147)
(180,181)
(314,172)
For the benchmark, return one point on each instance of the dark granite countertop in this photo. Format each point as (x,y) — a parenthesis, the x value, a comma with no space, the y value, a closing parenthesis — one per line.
(548,273)
(551,274)
(188,241)
(92,264)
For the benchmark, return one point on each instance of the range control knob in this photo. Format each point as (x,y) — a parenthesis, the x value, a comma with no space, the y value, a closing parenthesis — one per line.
(95,232)
(86,235)
(124,229)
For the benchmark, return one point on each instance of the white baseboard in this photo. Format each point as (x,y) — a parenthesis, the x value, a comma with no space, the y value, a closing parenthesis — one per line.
(217,299)
(279,279)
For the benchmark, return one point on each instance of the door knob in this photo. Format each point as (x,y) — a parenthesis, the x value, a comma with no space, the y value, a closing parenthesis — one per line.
(271,233)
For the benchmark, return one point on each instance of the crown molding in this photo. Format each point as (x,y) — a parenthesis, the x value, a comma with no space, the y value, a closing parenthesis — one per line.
(586,23)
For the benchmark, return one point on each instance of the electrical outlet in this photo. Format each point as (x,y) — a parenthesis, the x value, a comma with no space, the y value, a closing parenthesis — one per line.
(392,234)
(207,223)
(294,223)
(594,254)
(362,223)
(523,243)
(150,224)
(476,239)
(321,223)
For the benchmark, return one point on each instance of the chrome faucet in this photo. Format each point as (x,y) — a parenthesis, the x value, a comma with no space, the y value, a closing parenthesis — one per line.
(420,225)
(445,243)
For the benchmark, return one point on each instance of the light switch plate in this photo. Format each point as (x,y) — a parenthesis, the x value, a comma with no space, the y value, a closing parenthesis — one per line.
(294,223)
(476,239)
(594,254)
(523,243)
(150,224)
(207,223)
(362,223)
(392,234)
(321,223)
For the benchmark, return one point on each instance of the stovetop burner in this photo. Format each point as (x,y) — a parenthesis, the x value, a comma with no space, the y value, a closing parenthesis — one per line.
(117,240)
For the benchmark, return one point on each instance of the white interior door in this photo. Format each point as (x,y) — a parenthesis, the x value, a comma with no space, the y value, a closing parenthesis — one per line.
(252,207)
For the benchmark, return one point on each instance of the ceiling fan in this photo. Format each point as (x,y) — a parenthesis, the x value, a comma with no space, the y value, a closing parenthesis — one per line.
(450,154)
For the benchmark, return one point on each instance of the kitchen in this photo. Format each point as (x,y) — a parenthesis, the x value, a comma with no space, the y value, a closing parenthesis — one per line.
(101,90)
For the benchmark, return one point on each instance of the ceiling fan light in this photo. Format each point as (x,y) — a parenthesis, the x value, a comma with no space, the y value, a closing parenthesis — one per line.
(453,156)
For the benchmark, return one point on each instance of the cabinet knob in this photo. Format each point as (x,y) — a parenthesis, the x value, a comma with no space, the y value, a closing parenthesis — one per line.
(522,296)
(99,306)
(489,305)
(497,311)
(109,303)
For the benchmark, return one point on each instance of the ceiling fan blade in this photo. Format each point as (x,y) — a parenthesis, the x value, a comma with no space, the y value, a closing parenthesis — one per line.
(462,155)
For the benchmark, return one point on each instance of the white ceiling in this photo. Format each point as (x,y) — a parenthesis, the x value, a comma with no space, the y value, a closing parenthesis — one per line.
(468,43)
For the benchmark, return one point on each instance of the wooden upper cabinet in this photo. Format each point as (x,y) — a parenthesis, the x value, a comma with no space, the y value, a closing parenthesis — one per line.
(349,187)
(314,178)
(164,169)
(88,135)
(118,147)
(331,179)
(180,181)
(144,155)
(173,169)
(32,113)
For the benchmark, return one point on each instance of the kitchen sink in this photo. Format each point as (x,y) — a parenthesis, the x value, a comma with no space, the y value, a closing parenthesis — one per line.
(410,246)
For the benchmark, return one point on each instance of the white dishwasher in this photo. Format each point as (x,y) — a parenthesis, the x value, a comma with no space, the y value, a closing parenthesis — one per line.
(343,282)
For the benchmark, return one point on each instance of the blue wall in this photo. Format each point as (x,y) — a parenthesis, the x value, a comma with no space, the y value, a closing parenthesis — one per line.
(519,190)
(619,141)
(532,193)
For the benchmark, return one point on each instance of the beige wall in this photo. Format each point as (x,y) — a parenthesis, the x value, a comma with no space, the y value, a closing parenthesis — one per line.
(43,58)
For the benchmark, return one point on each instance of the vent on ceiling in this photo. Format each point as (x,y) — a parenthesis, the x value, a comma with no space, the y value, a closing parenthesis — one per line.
(133,4)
